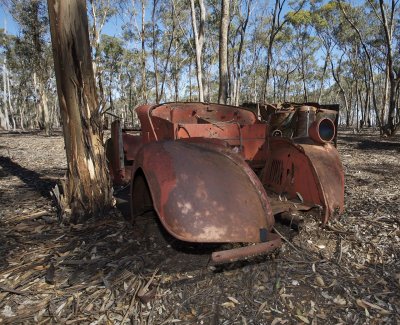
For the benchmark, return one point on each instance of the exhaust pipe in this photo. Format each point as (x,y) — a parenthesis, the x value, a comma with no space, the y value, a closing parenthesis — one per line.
(322,131)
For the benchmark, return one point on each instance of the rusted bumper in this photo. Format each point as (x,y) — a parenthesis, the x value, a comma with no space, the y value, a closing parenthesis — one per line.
(242,253)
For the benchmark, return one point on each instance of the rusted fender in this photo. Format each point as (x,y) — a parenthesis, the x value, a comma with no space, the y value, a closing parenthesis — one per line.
(204,192)
(328,169)
(307,171)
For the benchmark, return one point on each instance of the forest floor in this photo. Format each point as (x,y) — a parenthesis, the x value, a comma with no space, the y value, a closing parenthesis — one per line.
(107,271)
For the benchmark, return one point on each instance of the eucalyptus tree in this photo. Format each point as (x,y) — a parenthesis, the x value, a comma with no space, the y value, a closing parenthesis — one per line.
(353,18)
(223,53)
(240,16)
(389,18)
(198,26)
(305,46)
(32,18)
(101,11)
(278,21)
(285,68)
(87,191)
(326,22)
(4,109)
(111,53)
(19,88)
(166,45)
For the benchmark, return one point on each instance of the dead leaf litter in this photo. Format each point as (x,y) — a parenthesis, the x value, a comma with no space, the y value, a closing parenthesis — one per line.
(109,271)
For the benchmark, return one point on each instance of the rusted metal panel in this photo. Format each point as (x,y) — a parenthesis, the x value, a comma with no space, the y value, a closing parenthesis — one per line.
(148,132)
(305,116)
(131,145)
(311,172)
(248,140)
(204,193)
(328,171)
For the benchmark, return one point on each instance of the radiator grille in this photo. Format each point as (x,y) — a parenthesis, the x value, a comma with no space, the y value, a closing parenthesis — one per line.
(275,172)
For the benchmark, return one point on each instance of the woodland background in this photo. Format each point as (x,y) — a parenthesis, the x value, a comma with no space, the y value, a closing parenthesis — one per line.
(168,50)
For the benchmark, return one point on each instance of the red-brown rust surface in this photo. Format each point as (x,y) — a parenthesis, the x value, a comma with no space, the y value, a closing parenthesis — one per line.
(309,172)
(204,193)
(232,255)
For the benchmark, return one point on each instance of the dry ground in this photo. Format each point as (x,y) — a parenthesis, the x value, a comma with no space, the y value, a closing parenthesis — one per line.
(107,272)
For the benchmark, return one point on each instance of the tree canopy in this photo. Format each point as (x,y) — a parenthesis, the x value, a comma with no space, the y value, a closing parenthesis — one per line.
(164,50)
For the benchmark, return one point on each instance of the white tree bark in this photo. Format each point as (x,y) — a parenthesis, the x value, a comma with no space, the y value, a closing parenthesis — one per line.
(199,41)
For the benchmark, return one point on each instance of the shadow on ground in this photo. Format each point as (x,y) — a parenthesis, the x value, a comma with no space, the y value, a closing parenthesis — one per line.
(378,145)
(31,179)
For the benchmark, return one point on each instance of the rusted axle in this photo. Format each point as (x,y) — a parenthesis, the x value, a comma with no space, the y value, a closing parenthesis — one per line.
(232,255)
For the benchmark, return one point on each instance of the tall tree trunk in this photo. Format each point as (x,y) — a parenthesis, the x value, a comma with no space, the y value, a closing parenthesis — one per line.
(87,189)
(303,69)
(154,51)
(371,70)
(176,73)
(276,26)
(336,76)
(223,53)
(303,77)
(143,39)
(190,79)
(4,119)
(271,39)
(243,28)
(98,22)
(388,25)
(4,115)
(198,42)
(321,87)
(385,99)
(44,108)
(357,105)
(172,38)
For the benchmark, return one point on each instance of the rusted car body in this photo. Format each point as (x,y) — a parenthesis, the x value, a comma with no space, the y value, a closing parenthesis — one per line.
(218,174)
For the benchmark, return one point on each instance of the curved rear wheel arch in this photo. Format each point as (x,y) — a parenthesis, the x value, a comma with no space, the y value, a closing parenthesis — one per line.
(141,200)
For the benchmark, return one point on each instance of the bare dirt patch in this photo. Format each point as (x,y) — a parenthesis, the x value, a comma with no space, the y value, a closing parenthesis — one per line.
(108,271)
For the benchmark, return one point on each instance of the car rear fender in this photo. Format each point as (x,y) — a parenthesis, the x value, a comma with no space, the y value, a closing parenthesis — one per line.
(204,192)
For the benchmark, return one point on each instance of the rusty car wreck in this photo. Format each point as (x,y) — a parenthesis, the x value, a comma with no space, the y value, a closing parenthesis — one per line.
(219,174)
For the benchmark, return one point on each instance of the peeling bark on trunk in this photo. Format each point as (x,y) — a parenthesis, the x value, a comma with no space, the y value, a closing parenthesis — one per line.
(88,189)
